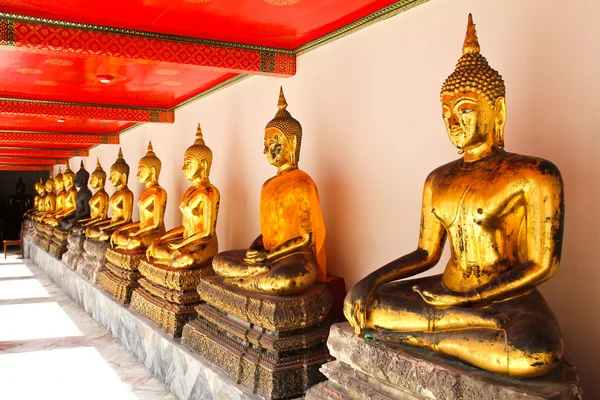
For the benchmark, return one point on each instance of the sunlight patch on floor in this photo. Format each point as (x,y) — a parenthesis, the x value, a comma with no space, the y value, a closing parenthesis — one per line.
(35,321)
(14,271)
(22,289)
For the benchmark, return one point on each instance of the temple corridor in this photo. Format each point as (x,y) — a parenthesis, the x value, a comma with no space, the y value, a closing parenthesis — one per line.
(50,348)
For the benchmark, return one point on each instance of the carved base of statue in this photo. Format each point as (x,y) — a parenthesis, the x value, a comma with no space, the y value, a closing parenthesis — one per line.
(168,296)
(120,278)
(59,242)
(92,260)
(44,236)
(272,345)
(372,370)
(74,252)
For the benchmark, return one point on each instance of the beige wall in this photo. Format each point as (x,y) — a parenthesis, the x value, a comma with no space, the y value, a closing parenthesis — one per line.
(369,105)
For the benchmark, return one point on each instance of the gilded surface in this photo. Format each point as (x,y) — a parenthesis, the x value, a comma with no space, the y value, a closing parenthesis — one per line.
(151,204)
(98,202)
(503,216)
(288,257)
(275,313)
(195,242)
(174,278)
(120,203)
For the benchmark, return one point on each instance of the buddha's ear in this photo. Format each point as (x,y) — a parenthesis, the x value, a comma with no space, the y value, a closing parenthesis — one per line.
(153,174)
(500,109)
(204,165)
(293,143)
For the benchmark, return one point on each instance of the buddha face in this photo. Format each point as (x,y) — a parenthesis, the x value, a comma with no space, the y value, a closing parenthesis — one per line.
(192,168)
(145,174)
(59,184)
(68,180)
(470,119)
(116,178)
(96,182)
(278,149)
(49,186)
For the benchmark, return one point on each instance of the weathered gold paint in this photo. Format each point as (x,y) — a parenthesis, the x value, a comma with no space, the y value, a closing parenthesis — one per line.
(98,202)
(288,256)
(503,216)
(194,243)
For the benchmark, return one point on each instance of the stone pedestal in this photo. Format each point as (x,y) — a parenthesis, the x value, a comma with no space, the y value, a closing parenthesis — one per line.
(120,278)
(367,370)
(168,296)
(74,252)
(271,345)
(58,242)
(44,236)
(93,259)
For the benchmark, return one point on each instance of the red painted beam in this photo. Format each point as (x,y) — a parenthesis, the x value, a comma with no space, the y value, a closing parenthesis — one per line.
(59,37)
(60,110)
(25,168)
(41,153)
(25,138)
(31,161)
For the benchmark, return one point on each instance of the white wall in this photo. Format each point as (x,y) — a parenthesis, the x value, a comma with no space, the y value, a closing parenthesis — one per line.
(369,106)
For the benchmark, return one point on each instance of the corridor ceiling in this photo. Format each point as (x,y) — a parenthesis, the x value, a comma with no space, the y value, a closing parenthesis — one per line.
(77,73)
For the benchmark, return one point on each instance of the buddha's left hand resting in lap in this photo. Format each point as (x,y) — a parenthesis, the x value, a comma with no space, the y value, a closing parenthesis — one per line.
(288,257)
(195,242)
(503,216)
(151,204)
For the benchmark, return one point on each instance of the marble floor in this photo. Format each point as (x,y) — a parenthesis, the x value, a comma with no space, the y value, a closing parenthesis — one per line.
(51,349)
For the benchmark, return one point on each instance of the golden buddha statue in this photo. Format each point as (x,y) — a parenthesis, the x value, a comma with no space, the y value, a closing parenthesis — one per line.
(69,193)
(120,203)
(151,205)
(503,215)
(98,202)
(195,242)
(49,202)
(38,200)
(288,256)
(59,186)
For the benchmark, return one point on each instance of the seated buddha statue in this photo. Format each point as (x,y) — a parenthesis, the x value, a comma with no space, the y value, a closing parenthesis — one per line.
(19,202)
(120,203)
(37,200)
(68,207)
(195,241)
(49,202)
(59,186)
(98,202)
(288,256)
(503,215)
(152,204)
(81,209)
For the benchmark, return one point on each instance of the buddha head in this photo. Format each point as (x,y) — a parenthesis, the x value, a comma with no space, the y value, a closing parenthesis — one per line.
(149,167)
(119,172)
(197,159)
(283,137)
(49,185)
(82,176)
(473,100)
(98,177)
(59,182)
(41,189)
(68,177)
(20,186)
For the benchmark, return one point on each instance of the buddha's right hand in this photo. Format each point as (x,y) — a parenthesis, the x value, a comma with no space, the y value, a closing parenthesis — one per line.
(356,302)
(255,256)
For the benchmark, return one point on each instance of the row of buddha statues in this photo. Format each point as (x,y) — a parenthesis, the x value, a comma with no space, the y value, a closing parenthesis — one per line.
(502,214)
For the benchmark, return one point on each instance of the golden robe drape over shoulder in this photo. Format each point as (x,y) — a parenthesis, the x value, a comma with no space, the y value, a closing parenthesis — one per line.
(289,208)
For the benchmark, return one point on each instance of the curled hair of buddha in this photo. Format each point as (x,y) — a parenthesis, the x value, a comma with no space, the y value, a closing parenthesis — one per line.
(151,161)
(473,73)
(287,124)
(68,172)
(99,173)
(50,180)
(121,166)
(82,175)
(200,151)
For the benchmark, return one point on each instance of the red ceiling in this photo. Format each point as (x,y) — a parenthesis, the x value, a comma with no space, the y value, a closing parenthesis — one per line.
(258,22)
(74,79)
(201,44)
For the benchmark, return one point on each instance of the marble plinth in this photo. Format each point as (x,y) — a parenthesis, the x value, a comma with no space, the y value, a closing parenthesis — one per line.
(91,263)
(74,252)
(272,345)
(187,375)
(168,295)
(386,372)
(120,278)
